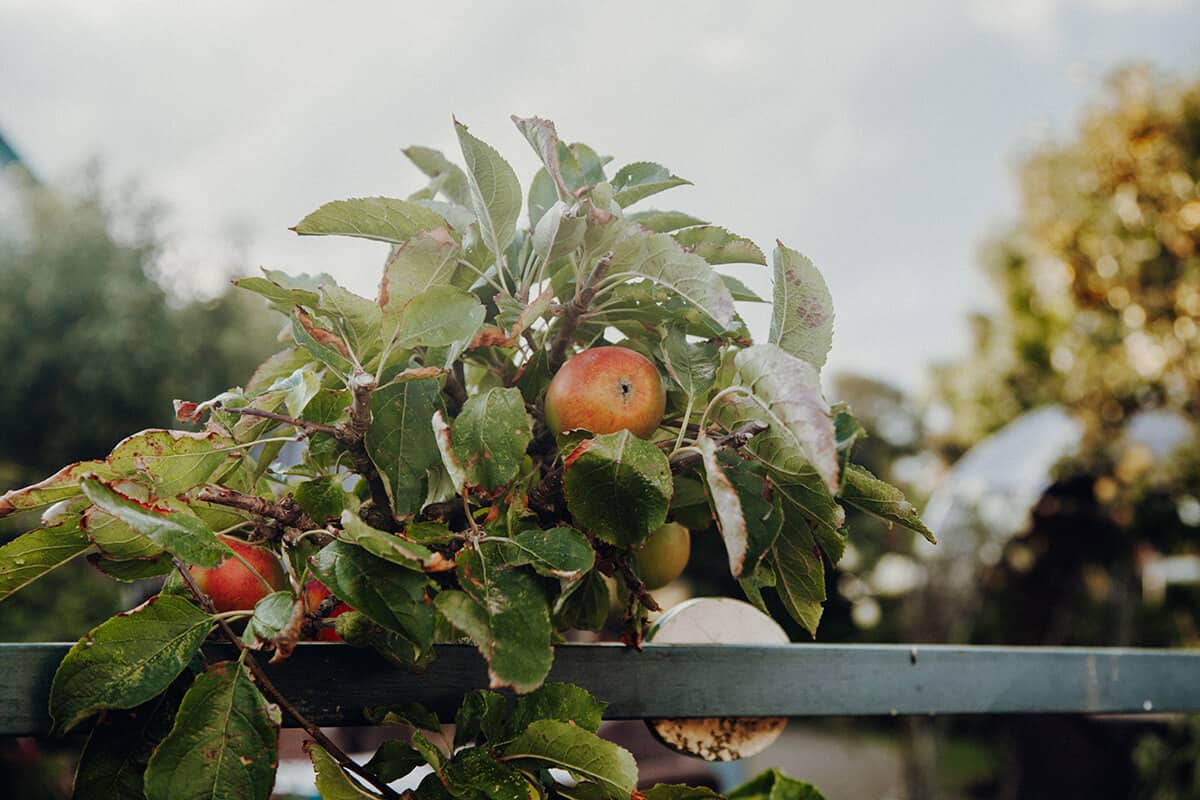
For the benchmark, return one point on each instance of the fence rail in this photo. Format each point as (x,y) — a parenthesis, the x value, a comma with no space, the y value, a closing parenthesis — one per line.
(708,680)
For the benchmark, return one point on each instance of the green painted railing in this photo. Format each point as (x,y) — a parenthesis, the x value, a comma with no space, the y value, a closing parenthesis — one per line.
(708,680)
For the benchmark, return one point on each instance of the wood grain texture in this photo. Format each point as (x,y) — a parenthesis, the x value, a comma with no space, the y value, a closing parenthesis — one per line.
(708,680)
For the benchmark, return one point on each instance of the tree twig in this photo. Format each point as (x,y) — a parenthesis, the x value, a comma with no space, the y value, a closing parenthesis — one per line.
(304,425)
(683,461)
(570,313)
(269,688)
(352,435)
(285,511)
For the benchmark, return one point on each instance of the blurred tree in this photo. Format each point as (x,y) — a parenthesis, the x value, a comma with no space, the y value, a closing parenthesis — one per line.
(95,349)
(1101,287)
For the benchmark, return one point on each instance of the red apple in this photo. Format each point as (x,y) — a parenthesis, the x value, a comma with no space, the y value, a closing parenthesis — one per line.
(661,558)
(314,593)
(231,586)
(605,390)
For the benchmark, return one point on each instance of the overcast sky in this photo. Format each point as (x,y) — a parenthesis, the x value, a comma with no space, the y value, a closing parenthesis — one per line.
(877,138)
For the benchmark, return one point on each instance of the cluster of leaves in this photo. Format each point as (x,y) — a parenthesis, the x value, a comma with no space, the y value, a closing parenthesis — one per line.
(397,450)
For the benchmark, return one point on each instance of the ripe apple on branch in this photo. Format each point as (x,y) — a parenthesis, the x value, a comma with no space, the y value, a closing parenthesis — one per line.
(514,418)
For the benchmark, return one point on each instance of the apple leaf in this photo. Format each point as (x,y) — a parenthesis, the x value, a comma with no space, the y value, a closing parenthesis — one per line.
(332,781)
(802,314)
(495,191)
(442,315)
(271,615)
(679,791)
(383,219)
(564,702)
(393,760)
(542,136)
(659,259)
(401,442)
(324,345)
(663,221)
(806,501)
(591,165)
(388,546)
(588,758)
(718,246)
(749,517)
(126,660)
(391,595)
(282,297)
(583,604)
(637,181)
(473,774)
(175,529)
(39,552)
(543,194)
(480,714)
(62,485)
(113,762)
(426,260)
(223,743)
(131,571)
(489,437)
(359,319)
(868,493)
(784,392)
(558,233)
(172,461)
(800,575)
(435,165)
(772,785)
(557,553)
(692,366)
(321,498)
(618,487)
(740,291)
(114,538)
(503,610)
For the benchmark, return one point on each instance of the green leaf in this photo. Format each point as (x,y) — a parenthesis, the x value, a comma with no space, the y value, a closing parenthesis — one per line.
(388,546)
(564,702)
(412,714)
(543,194)
(297,390)
(542,136)
(62,485)
(332,781)
(393,760)
(37,553)
(718,246)
(583,604)
(223,743)
(126,660)
(679,791)
(173,461)
(113,537)
(489,437)
(321,498)
(271,615)
(495,191)
(282,297)
(637,181)
(277,367)
(324,345)
(134,570)
(659,259)
(401,441)
(472,774)
(359,320)
(692,366)
(802,314)
(663,221)
(550,743)
(426,260)
(806,501)
(383,219)
(114,760)
(389,594)
(773,785)
(359,631)
(785,393)
(800,575)
(748,520)
(453,180)
(428,750)
(868,493)
(618,487)
(558,233)
(179,531)
(481,712)
(740,291)
(848,430)
(591,166)
(442,315)
(557,553)
(504,611)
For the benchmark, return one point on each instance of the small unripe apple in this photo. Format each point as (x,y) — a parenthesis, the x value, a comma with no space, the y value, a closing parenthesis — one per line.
(605,390)
(661,558)
(231,586)
(314,593)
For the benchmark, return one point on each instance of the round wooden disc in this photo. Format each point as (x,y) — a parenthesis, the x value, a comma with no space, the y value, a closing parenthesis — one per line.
(717,620)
